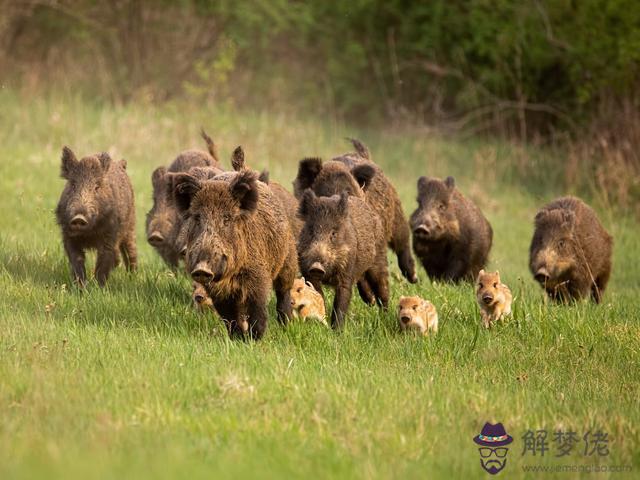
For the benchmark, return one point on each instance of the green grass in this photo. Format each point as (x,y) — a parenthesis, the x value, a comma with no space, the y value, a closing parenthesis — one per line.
(129,381)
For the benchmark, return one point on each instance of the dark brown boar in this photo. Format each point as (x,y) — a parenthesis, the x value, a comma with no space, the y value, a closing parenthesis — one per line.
(341,243)
(570,254)
(451,237)
(239,245)
(358,175)
(96,211)
(163,222)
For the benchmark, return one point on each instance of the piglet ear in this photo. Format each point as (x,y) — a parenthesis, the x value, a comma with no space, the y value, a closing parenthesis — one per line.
(105,160)
(244,189)
(306,203)
(69,161)
(184,187)
(157,177)
(363,174)
(308,170)
(450,182)
(237,159)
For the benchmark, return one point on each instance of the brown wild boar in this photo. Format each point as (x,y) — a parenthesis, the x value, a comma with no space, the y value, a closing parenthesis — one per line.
(451,237)
(342,242)
(163,222)
(570,254)
(493,296)
(239,245)
(359,176)
(417,314)
(307,302)
(96,211)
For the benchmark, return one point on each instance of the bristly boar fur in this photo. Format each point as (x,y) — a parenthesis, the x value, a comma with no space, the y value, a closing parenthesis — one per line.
(342,243)
(359,176)
(451,236)
(239,245)
(163,222)
(570,254)
(494,297)
(96,211)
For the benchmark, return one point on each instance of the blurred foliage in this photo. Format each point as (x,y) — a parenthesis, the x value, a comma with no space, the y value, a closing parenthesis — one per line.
(519,67)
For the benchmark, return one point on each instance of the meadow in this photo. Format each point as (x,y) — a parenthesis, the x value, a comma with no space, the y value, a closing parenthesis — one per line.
(130,382)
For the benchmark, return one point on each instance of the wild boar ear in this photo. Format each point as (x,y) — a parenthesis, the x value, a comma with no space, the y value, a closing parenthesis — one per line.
(363,174)
(343,203)
(569,218)
(158,176)
(69,161)
(185,187)
(237,159)
(308,170)
(244,188)
(422,186)
(450,182)
(105,160)
(211,146)
(264,176)
(123,163)
(541,215)
(361,148)
(307,203)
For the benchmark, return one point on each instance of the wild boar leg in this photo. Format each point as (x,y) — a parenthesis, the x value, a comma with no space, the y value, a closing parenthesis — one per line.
(129,253)
(341,304)
(76,259)
(106,261)
(229,312)
(379,281)
(366,293)
(257,312)
(455,270)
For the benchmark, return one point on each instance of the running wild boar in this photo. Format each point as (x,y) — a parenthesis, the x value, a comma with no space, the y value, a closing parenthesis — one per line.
(96,211)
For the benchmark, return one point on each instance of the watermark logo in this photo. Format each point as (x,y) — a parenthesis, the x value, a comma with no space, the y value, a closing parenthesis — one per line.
(492,442)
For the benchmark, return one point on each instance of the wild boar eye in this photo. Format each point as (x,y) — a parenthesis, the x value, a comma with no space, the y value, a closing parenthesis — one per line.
(299,290)
(96,188)
(495,285)
(480,285)
(442,207)
(334,234)
(415,307)
(561,244)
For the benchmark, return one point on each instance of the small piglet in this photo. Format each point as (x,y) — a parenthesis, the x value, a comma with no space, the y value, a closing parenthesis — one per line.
(494,298)
(417,314)
(307,302)
(342,242)
(96,211)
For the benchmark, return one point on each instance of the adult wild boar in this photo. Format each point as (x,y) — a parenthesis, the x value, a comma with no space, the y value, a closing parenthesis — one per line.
(238,246)
(451,237)
(570,254)
(163,222)
(96,211)
(342,242)
(359,176)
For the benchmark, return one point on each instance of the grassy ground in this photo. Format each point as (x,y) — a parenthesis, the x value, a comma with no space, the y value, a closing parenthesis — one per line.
(130,381)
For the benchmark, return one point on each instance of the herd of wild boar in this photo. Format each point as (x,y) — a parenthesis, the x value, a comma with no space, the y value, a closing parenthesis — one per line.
(241,235)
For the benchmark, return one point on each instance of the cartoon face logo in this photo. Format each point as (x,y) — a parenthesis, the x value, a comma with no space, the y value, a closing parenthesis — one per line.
(493,453)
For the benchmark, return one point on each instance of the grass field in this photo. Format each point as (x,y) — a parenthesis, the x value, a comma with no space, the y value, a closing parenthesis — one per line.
(130,382)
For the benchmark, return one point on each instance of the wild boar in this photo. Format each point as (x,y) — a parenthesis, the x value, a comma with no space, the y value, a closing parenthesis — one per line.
(306,302)
(493,296)
(570,254)
(238,245)
(341,243)
(163,222)
(417,314)
(96,211)
(358,175)
(451,237)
